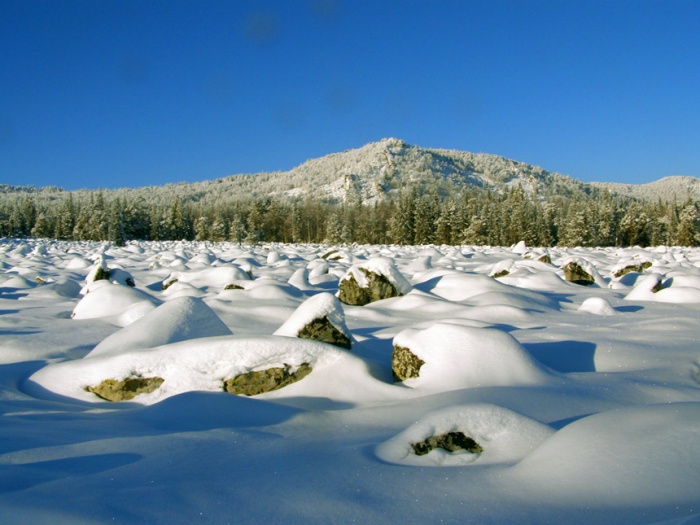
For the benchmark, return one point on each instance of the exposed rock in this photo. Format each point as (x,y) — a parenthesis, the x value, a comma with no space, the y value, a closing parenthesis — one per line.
(332,255)
(261,381)
(168,283)
(574,273)
(101,274)
(323,330)
(545,259)
(233,286)
(404,363)
(628,269)
(451,441)
(647,264)
(378,288)
(129,388)
(501,273)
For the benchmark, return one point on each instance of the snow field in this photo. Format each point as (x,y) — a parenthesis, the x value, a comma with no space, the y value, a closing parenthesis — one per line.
(585,400)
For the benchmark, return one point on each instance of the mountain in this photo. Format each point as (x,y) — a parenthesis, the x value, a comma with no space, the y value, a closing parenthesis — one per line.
(378,171)
(678,188)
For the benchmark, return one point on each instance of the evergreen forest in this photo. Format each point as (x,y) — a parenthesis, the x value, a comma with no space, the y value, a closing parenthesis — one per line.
(417,215)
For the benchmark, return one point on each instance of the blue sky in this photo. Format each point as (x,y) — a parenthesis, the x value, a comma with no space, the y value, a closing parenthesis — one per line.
(125,93)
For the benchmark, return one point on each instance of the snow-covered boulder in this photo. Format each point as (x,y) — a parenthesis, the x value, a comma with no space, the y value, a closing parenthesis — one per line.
(372,280)
(216,278)
(455,357)
(320,318)
(460,435)
(597,306)
(209,364)
(176,320)
(575,273)
(110,300)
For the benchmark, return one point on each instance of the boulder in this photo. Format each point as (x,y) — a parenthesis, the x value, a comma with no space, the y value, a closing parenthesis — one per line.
(372,280)
(126,389)
(261,381)
(451,441)
(323,330)
(574,273)
(377,287)
(405,364)
(319,318)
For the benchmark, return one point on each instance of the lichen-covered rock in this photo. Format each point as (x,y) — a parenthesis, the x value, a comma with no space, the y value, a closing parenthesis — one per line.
(126,389)
(372,280)
(261,381)
(378,288)
(574,273)
(620,272)
(323,330)
(233,286)
(405,364)
(450,441)
(319,318)
(545,258)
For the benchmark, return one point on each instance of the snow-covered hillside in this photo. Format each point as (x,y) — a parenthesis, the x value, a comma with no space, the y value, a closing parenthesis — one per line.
(374,172)
(183,382)
(667,189)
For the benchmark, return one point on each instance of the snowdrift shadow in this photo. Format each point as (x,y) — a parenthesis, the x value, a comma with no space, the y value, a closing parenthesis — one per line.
(565,356)
(196,411)
(27,475)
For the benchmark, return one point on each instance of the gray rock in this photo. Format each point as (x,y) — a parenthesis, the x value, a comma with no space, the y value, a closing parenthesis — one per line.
(323,330)
(405,364)
(378,288)
(115,390)
(451,441)
(577,275)
(261,381)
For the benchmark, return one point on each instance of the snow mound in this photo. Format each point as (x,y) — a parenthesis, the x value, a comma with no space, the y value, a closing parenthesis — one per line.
(217,277)
(195,364)
(597,306)
(599,458)
(317,307)
(179,319)
(651,288)
(504,435)
(111,300)
(457,357)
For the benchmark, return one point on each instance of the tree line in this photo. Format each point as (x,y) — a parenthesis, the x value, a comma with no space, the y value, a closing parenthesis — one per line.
(417,216)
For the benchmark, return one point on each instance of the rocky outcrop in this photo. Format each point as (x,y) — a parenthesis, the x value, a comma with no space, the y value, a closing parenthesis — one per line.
(404,363)
(574,273)
(126,389)
(451,442)
(377,288)
(261,381)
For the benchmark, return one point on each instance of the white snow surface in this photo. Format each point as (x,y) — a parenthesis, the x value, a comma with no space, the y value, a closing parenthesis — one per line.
(585,400)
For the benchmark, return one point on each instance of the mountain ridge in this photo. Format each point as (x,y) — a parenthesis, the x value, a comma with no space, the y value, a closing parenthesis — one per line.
(380,170)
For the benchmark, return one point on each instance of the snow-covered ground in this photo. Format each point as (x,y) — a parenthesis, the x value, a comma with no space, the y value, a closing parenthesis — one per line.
(584,400)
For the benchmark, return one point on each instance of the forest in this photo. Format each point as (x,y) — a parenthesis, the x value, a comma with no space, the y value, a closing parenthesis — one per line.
(417,215)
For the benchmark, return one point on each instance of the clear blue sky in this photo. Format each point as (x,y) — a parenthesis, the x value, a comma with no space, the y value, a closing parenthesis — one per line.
(125,93)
